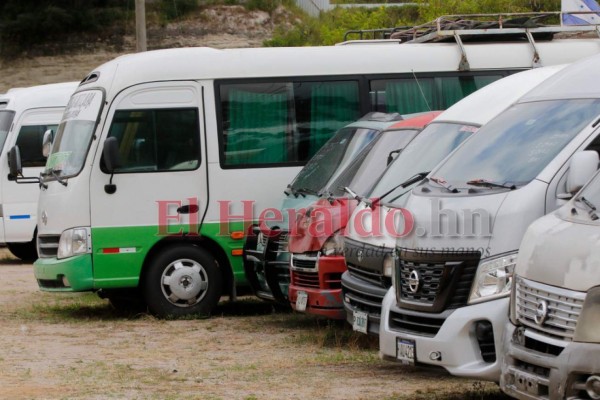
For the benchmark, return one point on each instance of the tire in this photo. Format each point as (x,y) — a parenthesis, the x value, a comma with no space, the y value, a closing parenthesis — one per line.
(182,280)
(25,251)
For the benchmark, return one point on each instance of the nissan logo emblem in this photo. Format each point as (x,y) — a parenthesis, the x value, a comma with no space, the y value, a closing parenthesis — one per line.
(541,312)
(414,281)
(359,255)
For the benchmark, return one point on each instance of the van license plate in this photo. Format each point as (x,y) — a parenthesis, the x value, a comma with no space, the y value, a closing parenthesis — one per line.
(361,321)
(405,351)
(301,301)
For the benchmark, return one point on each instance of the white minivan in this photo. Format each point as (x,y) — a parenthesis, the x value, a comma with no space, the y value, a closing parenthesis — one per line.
(449,305)
(25,115)
(368,257)
(552,341)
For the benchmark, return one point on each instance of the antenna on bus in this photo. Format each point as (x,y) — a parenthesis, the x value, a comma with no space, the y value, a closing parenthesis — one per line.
(420,89)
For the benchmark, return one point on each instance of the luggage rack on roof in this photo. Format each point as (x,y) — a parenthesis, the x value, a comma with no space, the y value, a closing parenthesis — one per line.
(478,27)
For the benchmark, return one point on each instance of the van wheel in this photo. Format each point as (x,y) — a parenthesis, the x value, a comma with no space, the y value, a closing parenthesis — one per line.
(182,280)
(25,251)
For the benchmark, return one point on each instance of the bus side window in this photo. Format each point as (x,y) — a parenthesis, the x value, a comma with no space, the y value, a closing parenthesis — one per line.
(157,140)
(30,144)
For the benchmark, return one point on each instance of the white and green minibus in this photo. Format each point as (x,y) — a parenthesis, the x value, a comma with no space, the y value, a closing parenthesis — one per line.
(162,159)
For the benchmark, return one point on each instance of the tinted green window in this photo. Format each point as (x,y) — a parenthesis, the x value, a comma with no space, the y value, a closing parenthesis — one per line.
(413,95)
(283,122)
(30,144)
(157,140)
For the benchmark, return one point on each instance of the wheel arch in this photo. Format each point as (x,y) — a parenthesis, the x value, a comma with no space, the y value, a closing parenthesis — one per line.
(203,242)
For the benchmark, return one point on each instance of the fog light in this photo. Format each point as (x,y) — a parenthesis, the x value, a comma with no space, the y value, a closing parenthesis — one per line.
(592,386)
(484,331)
(65,282)
(435,356)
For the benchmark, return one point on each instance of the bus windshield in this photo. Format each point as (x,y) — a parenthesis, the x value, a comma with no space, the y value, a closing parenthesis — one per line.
(332,159)
(6,119)
(421,155)
(74,135)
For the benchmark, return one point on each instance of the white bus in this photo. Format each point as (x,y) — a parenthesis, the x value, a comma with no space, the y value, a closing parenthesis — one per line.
(161,157)
(25,115)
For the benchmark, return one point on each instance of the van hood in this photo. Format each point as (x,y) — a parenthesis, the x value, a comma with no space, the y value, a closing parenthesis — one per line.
(321,217)
(558,251)
(489,221)
(290,206)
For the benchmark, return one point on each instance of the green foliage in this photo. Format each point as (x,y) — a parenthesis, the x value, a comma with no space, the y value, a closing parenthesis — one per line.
(174,9)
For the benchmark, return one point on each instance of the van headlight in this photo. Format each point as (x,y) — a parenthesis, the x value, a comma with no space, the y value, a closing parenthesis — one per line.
(587,324)
(493,278)
(334,245)
(73,242)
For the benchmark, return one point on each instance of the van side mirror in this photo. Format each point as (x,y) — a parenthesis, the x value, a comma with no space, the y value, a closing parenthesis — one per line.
(582,167)
(47,142)
(111,155)
(393,154)
(14,163)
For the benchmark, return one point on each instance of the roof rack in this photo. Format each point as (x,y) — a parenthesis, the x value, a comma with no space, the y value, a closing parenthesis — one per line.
(482,27)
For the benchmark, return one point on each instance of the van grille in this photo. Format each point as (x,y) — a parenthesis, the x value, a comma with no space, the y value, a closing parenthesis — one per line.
(47,245)
(563,308)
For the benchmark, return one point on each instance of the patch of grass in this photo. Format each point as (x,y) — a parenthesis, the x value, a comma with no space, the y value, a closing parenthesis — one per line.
(478,391)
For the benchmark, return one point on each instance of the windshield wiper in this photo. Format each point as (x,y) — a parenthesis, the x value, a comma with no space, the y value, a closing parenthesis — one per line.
(410,181)
(60,180)
(591,206)
(357,196)
(328,195)
(489,184)
(442,182)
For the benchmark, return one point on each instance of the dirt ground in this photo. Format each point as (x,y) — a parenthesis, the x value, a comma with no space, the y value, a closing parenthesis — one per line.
(64,346)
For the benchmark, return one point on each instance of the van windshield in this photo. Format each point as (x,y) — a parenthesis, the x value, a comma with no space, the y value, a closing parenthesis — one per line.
(421,155)
(332,159)
(75,132)
(513,148)
(6,119)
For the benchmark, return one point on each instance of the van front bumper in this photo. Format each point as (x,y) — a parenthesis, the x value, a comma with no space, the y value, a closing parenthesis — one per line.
(456,346)
(73,274)
(541,374)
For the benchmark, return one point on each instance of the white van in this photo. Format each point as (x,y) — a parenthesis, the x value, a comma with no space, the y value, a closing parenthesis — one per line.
(369,257)
(25,115)
(168,154)
(453,274)
(552,341)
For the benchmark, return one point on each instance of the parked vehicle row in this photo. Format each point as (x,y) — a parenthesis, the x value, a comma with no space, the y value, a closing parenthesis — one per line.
(166,188)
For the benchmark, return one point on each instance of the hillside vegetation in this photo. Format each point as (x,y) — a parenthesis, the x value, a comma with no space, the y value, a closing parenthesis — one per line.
(54,27)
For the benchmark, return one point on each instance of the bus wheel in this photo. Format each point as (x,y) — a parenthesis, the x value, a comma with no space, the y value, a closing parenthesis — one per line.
(182,280)
(25,251)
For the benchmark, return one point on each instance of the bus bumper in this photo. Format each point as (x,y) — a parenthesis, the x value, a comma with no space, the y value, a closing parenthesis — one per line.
(73,274)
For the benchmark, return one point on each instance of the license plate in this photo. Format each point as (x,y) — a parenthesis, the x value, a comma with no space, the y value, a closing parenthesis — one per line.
(526,382)
(301,301)
(405,351)
(361,321)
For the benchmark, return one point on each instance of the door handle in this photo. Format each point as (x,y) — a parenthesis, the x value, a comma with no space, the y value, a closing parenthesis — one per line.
(188,209)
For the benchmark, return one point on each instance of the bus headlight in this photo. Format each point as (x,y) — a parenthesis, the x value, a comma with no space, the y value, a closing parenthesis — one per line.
(334,245)
(73,242)
(587,324)
(493,278)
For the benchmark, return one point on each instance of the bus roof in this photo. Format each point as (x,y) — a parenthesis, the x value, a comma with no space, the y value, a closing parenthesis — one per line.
(207,63)
(52,95)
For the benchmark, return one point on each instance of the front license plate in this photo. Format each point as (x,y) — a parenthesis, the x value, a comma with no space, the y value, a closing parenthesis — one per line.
(301,301)
(526,382)
(405,351)
(361,321)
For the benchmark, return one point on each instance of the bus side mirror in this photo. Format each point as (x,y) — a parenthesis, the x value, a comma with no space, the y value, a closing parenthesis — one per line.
(583,166)
(111,155)
(14,163)
(393,154)
(47,142)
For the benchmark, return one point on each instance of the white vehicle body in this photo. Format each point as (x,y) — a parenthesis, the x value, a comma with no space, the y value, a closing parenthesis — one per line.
(552,342)
(121,212)
(29,112)
(470,230)
(360,294)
